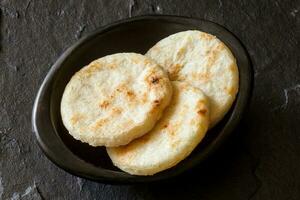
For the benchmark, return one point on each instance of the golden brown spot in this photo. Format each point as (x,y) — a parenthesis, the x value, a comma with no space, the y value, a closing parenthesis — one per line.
(146,62)
(156,102)
(76,117)
(214,54)
(104,104)
(184,110)
(207,52)
(126,125)
(154,80)
(144,98)
(112,66)
(194,75)
(175,144)
(122,87)
(99,123)
(172,133)
(180,53)
(130,94)
(174,70)
(231,91)
(194,122)
(201,103)
(165,126)
(144,139)
(232,67)
(205,76)
(201,76)
(116,111)
(211,59)
(206,36)
(172,129)
(90,69)
(179,77)
(155,48)
(220,47)
(135,60)
(124,150)
(202,111)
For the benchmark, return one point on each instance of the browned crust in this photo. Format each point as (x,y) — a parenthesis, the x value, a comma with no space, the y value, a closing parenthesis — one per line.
(173,70)
(231,90)
(99,123)
(76,118)
(206,36)
(201,108)
(104,104)
(202,112)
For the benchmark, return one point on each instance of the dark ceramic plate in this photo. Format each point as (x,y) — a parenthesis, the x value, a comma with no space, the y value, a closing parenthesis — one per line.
(131,35)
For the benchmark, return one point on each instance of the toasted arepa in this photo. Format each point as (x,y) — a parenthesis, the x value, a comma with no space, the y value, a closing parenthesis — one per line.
(115,99)
(180,129)
(205,62)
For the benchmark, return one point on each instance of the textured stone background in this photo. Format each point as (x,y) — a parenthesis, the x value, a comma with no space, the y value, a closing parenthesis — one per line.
(262,162)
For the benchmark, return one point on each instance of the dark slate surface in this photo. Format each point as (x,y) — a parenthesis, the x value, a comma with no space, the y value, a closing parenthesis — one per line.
(261,162)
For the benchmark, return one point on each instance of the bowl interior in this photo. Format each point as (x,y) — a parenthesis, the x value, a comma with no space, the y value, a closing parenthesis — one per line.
(135,35)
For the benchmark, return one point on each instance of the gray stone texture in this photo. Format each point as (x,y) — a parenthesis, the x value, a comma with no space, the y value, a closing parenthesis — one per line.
(261,162)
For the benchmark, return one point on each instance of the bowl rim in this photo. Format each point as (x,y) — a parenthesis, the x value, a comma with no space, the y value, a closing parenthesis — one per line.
(109,176)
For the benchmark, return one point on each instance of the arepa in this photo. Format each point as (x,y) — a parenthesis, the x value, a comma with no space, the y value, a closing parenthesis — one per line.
(181,128)
(204,61)
(115,99)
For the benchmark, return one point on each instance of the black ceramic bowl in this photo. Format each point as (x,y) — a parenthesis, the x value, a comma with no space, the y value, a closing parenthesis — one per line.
(132,35)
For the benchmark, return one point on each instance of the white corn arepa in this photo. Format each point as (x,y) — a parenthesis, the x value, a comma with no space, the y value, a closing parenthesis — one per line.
(180,129)
(205,62)
(115,99)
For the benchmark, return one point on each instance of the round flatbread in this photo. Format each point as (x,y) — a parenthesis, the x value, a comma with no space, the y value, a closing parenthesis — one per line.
(115,99)
(205,62)
(182,126)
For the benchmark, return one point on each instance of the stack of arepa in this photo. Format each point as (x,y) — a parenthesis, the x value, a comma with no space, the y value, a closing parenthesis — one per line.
(152,110)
